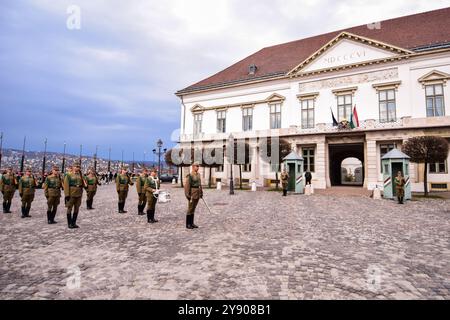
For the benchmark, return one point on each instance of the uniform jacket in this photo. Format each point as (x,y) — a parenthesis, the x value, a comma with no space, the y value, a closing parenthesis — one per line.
(92,182)
(52,186)
(140,182)
(27,185)
(8,182)
(73,185)
(151,184)
(193,186)
(122,182)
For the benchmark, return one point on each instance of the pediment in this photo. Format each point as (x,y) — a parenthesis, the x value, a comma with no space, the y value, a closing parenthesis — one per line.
(197,108)
(348,50)
(275,98)
(435,76)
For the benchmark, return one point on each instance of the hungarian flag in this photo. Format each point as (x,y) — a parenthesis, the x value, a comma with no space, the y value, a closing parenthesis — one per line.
(335,123)
(354,121)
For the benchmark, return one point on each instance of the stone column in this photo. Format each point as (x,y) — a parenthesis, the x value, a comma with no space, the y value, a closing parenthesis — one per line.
(371,160)
(321,165)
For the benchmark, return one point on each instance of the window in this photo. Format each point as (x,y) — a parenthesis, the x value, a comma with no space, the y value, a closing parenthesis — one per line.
(435,100)
(247,167)
(308,156)
(384,149)
(439,167)
(307,113)
(198,117)
(275,116)
(344,107)
(221,121)
(219,168)
(247,119)
(387,105)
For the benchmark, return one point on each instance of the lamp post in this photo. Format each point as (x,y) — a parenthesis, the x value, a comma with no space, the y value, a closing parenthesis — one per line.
(44,159)
(121,163)
(132,166)
(95,160)
(109,160)
(64,159)
(231,159)
(1,148)
(23,155)
(143,163)
(81,152)
(158,152)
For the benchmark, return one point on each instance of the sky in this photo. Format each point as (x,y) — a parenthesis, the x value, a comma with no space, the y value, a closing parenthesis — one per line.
(104,73)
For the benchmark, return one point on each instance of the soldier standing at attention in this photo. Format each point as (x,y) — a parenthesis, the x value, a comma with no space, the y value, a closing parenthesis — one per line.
(27,186)
(284,182)
(122,183)
(140,182)
(52,190)
(151,187)
(8,185)
(193,192)
(92,182)
(73,191)
(400,182)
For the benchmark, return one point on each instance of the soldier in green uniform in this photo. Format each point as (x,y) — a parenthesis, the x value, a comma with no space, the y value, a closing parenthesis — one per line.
(151,187)
(400,182)
(193,192)
(123,181)
(140,182)
(92,182)
(73,191)
(27,186)
(8,185)
(284,182)
(52,190)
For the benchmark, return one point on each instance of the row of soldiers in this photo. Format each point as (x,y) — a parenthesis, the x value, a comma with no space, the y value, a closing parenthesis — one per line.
(73,183)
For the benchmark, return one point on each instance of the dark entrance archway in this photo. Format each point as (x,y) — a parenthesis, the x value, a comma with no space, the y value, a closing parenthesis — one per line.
(338,153)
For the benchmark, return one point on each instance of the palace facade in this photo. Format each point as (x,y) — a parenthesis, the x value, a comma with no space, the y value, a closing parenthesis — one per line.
(393,73)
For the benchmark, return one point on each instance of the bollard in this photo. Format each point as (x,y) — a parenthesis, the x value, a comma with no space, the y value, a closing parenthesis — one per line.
(219,185)
(253,186)
(376,193)
(174,181)
(308,190)
(312,189)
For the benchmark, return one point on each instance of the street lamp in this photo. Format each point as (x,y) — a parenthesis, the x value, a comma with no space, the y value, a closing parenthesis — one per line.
(95,159)
(158,152)
(231,159)
(109,160)
(44,160)
(22,160)
(64,159)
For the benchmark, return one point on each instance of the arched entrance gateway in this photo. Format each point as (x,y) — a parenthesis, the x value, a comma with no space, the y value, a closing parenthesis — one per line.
(346,164)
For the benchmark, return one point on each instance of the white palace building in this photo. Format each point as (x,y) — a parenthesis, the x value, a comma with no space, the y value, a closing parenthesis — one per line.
(394,73)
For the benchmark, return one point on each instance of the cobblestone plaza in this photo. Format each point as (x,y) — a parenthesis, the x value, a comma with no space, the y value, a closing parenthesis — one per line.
(255,245)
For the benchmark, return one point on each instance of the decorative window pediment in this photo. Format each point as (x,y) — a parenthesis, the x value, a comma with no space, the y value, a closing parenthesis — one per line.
(308,96)
(434,77)
(347,51)
(197,109)
(345,91)
(275,98)
(387,85)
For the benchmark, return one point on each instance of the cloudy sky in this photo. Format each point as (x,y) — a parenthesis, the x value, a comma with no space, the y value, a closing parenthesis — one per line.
(112,81)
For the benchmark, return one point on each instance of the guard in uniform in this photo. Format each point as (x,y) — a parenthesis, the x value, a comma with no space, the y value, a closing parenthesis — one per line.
(151,187)
(193,192)
(73,191)
(123,181)
(284,182)
(52,190)
(8,185)
(92,182)
(27,187)
(400,182)
(140,182)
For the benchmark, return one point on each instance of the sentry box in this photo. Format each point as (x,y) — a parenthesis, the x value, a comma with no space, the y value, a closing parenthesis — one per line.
(293,164)
(393,162)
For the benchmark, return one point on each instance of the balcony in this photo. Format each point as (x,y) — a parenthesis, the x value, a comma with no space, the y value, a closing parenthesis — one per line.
(366,125)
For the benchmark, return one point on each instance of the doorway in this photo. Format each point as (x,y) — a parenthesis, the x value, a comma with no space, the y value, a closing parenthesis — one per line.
(343,154)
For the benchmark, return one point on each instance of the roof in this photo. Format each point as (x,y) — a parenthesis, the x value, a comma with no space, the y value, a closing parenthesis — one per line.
(418,32)
(395,154)
(293,156)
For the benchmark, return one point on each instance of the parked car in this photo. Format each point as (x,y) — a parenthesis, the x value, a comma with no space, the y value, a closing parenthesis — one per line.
(165,177)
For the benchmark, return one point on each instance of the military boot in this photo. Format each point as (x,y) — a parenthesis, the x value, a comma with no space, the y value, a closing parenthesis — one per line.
(149,216)
(8,207)
(53,215)
(192,222)
(49,217)
(153,216)
(74,220)
(27,212)
(24,215)
(4,207)
(123,208)
(69,220)
(120,207)
(189,222)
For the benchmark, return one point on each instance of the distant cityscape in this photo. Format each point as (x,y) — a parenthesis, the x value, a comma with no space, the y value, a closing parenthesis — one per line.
(34,159)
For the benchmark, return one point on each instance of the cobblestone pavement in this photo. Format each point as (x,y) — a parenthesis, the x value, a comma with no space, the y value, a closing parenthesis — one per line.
(254,246)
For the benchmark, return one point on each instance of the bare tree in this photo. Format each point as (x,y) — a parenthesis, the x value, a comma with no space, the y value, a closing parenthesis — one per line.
(427,149)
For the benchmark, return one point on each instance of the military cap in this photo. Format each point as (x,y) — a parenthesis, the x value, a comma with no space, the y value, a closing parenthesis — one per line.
(29,169)
(55,167)
(196,163)
(76,164)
